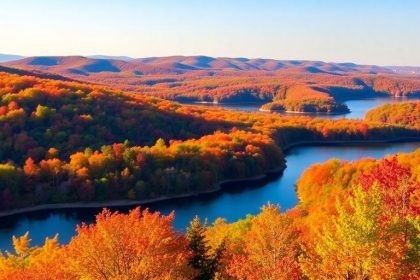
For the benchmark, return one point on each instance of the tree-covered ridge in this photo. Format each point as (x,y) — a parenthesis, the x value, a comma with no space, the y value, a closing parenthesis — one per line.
(405,114)
(69,141)
(367,228)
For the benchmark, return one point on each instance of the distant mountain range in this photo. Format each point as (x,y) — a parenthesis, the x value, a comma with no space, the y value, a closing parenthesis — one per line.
(84,66)
(224,79)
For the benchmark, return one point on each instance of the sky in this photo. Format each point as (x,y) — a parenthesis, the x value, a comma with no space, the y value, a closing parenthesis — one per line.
(381,32)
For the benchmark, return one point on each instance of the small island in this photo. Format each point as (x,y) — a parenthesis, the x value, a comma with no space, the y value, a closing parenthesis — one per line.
(328,106)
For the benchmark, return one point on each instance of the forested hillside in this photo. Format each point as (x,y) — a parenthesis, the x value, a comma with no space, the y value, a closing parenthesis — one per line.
(405,114)
(66,141)
(210,140)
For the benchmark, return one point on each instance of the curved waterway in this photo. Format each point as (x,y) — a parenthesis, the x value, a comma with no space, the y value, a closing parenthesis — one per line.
(234,202)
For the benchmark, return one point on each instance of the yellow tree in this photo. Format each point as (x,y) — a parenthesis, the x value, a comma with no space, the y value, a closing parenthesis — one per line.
(354,244)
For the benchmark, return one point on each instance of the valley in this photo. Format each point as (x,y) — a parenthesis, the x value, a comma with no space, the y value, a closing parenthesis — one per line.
(210,140)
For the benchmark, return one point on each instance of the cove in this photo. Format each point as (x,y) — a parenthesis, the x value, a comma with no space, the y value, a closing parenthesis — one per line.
(233,203)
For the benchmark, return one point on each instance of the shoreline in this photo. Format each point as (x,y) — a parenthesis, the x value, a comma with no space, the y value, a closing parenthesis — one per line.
(122,203)
(216,187)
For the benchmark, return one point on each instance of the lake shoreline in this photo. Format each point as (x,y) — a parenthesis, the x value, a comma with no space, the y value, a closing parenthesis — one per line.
(219,186)
(122,203)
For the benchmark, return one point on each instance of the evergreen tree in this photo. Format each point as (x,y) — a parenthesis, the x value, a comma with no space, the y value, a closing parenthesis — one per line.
(202,260)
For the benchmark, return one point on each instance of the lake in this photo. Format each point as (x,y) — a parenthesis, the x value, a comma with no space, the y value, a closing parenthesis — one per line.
(358,108)
(233,203)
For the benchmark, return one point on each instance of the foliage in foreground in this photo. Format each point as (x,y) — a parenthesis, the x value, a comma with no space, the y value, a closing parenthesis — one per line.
(367,228)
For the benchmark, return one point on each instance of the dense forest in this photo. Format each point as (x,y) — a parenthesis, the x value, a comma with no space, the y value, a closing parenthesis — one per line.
(355,220)
(66,141)
(210,140)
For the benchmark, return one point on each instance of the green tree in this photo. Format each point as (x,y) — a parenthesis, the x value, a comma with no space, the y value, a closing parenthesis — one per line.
(205,263)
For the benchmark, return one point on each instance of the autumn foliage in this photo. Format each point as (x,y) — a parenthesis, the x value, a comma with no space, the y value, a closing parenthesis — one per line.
(405,114)
(371,233)
(64,141)
(369,213)
(139,245)
(269,247)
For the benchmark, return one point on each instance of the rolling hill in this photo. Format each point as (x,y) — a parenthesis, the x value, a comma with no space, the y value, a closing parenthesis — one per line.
(181,64)
(233,80)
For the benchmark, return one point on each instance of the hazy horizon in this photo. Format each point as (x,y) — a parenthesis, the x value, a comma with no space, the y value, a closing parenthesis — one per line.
(370,32)
(176,55)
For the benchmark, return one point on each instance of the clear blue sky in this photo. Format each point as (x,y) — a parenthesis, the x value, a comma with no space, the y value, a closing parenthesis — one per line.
(383,32)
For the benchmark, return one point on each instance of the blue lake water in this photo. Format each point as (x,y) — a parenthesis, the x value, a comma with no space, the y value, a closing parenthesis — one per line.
(358,108)
(233,203)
